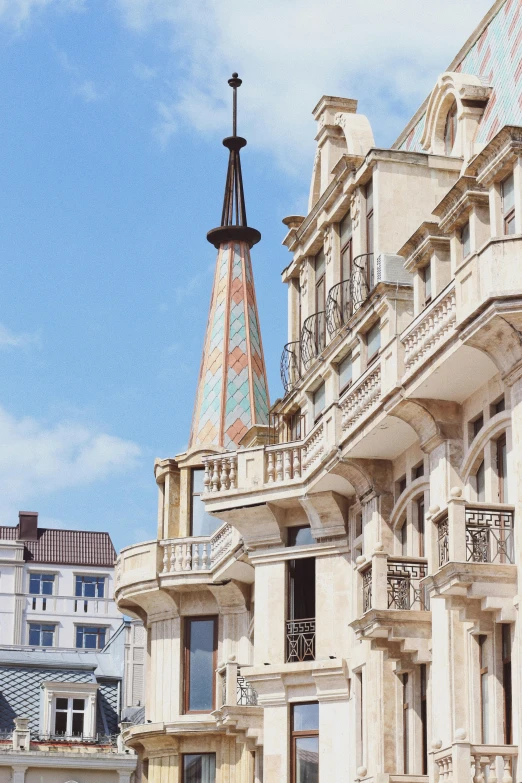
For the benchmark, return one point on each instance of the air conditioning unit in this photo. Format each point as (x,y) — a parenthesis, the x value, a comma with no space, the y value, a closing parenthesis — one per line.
(390,269)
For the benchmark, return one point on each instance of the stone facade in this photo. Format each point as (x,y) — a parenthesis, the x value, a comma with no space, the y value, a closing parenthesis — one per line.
(366,568)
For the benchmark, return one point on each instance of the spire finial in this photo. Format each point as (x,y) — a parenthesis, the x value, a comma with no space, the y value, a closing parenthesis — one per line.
(234,225)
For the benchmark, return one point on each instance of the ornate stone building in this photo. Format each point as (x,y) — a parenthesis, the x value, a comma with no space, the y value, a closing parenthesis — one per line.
(355,617)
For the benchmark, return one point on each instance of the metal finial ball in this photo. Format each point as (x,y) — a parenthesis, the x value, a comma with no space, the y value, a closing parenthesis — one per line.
(235,81)
(234,75)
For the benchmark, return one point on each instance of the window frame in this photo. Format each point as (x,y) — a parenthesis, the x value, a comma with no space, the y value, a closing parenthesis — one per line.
(98,628)
(100,578)
(370,358)
(465,241)
(345,386)
(507,682)
(305,734)
(187,620)
(70,712)
(420,506)
(209,753)
(317,414)
(508,218)
(41,574)
(217,523)
(483,688)
(56,690)
(41,625)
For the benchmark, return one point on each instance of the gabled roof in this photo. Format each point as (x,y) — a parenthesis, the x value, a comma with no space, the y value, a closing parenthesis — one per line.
(65,547)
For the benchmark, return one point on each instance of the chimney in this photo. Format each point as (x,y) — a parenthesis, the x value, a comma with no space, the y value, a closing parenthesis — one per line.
(27,525)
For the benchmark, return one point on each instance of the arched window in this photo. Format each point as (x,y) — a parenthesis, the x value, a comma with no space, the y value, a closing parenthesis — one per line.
(450,129)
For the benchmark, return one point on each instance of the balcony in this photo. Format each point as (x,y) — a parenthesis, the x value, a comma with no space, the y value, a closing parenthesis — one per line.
(464,763)
(290,365)
(313,338)
(300,640)
(431,330)
(394,607)
(474,553)
(239,712)
(70,605)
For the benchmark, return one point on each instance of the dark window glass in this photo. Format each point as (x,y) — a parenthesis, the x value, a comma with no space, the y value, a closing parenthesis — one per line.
(421,525)
(199,768)
(418,471)
(346,252)
(506,683)
(400,487)
(481,483)
(41,635)
(202,524)
(484,693)
(61,704)
(305,743)
(499,406)
(358,525)
(369,233)
(465,239)
(405,724)
(41,584)
(78,706)
(90,637)
(302,588)
(424,717)
(503,494)
(478,424)
(373,340)
(450,130)
(404,539)
(60,722)
(200,664)
(90,586)
(299,536)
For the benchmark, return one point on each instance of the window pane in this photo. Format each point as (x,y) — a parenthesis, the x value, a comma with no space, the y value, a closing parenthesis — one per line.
(79,637)
(508,194)
(346,229)
(202,523)
(47,584)
(78,704)
(89,590)
(299,536)
(79,584)
(199,768)
(481,483)
(198,477)
(34,634)
(466,242)
(319,265)
(61,704)
(369,196)
(319,400)
(77,724)
(100,587)
(47,636)
(306,717)
(427,281)
(307,760)
(373,339)
(201,665)
(345,371)
(502,470)
(60,721)
(34,584)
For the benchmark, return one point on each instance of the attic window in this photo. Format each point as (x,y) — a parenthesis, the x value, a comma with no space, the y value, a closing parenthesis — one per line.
(450,129)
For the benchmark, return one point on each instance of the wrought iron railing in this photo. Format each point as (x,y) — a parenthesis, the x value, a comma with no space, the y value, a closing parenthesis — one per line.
(443,541)
(290,365)
(404,588)
(300,640)
(286,428)
(361,279)
(246,695)
(367,589)
(489,536)
(338,306)
(313,338)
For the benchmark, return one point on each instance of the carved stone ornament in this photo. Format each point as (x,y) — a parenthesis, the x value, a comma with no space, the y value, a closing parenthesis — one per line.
(328,243)
(355,209)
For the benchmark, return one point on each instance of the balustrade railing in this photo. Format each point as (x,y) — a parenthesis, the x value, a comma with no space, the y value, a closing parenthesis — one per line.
(404,588)
(283,463)
(313,338)
(489,536)
(196,554)
(220,472)
(491,763)
(430,330)
(300,640)
(361,399)
(290,365)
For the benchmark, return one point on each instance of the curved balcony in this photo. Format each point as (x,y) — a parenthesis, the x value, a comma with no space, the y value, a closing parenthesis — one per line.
(290,365)
(313,338)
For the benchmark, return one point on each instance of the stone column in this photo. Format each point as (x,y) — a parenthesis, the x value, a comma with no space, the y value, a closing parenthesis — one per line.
(276,745)
(270,614)
(19,773)
(125,776)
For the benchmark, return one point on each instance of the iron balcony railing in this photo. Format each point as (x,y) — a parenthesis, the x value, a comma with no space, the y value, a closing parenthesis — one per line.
(489,536)
(300,640)
(345,297)
(290,365)
(246,695)
(403,586)
(313,338)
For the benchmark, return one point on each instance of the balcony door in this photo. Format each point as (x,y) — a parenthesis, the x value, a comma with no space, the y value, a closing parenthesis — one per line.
(301,610)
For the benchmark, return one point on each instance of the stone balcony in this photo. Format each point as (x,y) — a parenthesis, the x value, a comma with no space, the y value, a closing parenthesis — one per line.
(430,330)
(239,712)
(474,558)
(393,607)
(463,762)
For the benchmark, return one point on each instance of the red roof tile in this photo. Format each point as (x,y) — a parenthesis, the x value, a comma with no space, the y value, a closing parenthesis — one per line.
(65,547)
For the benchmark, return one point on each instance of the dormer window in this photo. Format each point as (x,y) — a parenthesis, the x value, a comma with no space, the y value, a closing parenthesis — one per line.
(508,205)
(450,129)
(465,240)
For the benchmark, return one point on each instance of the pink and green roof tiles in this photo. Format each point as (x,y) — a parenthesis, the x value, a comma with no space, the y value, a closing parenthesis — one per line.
(496,58)
(232,390)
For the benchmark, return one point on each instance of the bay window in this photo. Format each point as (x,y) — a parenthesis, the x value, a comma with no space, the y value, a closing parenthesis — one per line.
(200,663)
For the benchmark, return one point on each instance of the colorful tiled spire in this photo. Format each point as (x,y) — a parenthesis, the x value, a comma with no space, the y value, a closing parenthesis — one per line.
(232,392)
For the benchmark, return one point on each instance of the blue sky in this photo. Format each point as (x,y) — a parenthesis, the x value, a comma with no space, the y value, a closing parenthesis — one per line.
(112,172)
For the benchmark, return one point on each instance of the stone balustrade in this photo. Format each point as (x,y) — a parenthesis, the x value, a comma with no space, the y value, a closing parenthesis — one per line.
(220,472)
(197,554)
(361,398)
(467,763)
(430,329)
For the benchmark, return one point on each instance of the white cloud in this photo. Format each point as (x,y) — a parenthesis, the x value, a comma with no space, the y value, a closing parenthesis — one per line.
(37,459)
(9,339)
(17,12)
(88,91)
(290,52)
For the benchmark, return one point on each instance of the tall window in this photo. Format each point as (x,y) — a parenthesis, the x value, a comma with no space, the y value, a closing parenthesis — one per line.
(200,663)
(305,742)
(300,626)
(421,525)
(345,372)
(90,637)
(90,586)
(426,274)
(69,716)
(369,233)
(198,768)
(346,247)
(41,634)
(201,523)
(450,129)
(506,684)
(405,724)
(484,694)
(424,716)
(480,478)
(373,341)
(508,204)
(502,469)
(404,538)
(465,239)
(41,584)
(319,400)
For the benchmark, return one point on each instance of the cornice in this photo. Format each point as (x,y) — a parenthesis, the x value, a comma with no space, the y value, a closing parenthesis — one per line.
(495,160)
(457,203)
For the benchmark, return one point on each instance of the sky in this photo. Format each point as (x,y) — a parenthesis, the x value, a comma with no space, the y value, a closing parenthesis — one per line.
(111,173)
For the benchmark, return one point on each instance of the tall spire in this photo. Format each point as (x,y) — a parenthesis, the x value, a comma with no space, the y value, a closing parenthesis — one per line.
(232,393)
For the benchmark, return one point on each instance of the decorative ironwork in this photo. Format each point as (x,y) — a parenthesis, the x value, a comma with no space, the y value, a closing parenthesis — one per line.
(290,365)
(489,536)
(361,279)
(246,694)
(313,338)
(404,588)
(338,306)
(99,739)
(367,589)
(300,640)
(443,541)
(286,429)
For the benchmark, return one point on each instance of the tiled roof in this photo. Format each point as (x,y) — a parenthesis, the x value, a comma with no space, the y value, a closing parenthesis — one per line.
(65,547)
